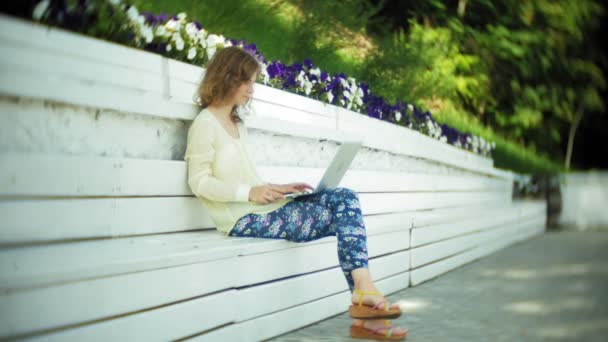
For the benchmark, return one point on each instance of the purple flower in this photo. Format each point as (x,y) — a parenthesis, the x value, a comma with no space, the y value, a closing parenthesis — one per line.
(275,69)
(308,63)
(323,76)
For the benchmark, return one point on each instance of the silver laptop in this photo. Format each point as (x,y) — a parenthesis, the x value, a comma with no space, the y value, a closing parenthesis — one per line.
(336,170)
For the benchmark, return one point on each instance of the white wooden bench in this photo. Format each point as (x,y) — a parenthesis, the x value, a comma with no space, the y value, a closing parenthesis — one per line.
(100,237)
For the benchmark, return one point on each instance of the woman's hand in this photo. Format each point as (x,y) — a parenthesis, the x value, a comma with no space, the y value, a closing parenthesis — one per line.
(270,193)
(296,187)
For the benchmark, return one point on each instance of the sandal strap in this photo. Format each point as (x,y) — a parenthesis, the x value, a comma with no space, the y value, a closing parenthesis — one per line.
(386,307)
(363,293)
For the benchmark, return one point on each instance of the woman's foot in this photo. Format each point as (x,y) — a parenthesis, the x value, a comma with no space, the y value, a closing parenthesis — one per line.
(372,300)
(380,327)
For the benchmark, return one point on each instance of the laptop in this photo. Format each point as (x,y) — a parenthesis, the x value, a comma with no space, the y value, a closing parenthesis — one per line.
(336,170)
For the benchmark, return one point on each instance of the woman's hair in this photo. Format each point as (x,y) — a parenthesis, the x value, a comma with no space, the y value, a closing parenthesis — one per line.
(226,71)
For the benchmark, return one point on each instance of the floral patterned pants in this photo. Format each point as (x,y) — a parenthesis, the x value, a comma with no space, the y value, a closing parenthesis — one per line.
(331,212)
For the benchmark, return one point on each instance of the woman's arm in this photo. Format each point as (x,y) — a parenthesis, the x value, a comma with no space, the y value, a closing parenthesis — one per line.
(199,157)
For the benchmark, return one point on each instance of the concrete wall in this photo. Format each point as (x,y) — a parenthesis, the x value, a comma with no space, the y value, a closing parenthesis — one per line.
(585,200)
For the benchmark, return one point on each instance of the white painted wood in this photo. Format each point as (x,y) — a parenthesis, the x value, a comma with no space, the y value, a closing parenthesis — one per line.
(262,267)
(66,66)
(526,229)
(185,318)
(22,82)
(389,137)
(430,234)
(46,265)
(98,217)
(376,203)
(263,299)
(283,321)
(57,175)
(105,297)
(438,250)
(166,323)
(27,33)
(112,217)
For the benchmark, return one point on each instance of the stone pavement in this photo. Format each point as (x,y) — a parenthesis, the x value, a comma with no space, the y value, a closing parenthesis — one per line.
(552,287)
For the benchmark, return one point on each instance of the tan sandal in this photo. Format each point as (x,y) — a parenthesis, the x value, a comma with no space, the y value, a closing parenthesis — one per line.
(361,332)
(372,312)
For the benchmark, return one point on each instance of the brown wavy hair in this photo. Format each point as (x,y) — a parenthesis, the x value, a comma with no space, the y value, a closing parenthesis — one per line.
(226,71)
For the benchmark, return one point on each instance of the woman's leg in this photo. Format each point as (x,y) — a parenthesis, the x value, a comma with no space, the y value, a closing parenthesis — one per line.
(327,213)
(347,224)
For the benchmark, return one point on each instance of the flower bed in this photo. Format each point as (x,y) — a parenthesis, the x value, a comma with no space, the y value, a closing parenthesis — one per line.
(180,39)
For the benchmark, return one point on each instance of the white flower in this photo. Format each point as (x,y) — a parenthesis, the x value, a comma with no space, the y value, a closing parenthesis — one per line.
(40,9)
(344,83)
(398,116)
(148,34)
(211,51)
(132,13)
(161,31)
(201,34)
(358,101)
(181,16)
(213,40)
(168,47)
(115,2)
(348,95)
(264,72)
(179,42)
(191,30)
(172,25)
(192,53)
(330,96)
(316,72)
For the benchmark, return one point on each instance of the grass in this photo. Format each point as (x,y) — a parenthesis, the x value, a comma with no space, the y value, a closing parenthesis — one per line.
(330,34)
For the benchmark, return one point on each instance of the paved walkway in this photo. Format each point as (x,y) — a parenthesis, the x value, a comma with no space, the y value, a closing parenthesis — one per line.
(553,287)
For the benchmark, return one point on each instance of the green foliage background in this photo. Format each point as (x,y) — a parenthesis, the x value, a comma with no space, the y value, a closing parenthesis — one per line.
(513,72)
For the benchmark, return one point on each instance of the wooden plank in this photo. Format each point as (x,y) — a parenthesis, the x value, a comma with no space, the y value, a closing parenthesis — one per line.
(32,266)
(278,110)
(201,278)
(261,267)
(58,175)
(93,299)
(23,82)
(517,232)
(98,217)
(373,203)
(185,318)
(43,37)
(160,324)
(279,295)
(111,217)
(400,140)
(438,250)
(283,321)
(61,65)
(431,234)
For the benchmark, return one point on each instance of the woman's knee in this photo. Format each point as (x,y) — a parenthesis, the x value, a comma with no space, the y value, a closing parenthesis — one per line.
(346,192)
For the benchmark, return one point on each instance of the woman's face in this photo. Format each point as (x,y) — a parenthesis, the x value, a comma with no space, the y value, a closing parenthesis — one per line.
(244,92)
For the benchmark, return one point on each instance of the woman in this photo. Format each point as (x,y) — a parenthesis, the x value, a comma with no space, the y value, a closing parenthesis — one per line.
(222,175)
